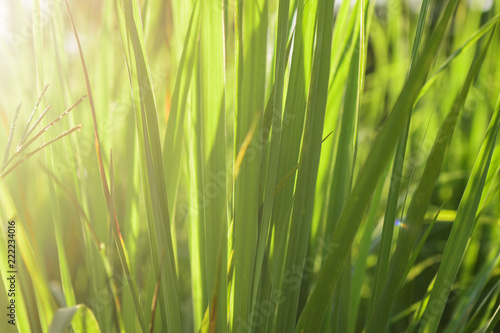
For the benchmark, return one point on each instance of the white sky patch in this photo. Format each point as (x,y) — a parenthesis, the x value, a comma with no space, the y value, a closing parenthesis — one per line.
(478,5)
(27,4)
(10,20)
(4,12)
(70,44)
(337,4)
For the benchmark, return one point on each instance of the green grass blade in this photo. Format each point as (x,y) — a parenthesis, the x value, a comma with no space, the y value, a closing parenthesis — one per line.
(22,314)
(471,296)
(346,147)
(275,126)
(344,163)
(251,21)
(79,316)
(308,164)
(196,216)
(177,129)
(359,273)
(492,322)
(44,300)
(174,135)
(377,159)
(419,246)
(382,268)
(11,135)
(344,38)
(474,38)
(291,136)
(213,152)
(150,156)
(418,205)
(110,205)
(462,227)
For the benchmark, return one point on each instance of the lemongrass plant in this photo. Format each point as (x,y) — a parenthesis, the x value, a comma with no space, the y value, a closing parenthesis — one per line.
(252,166)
